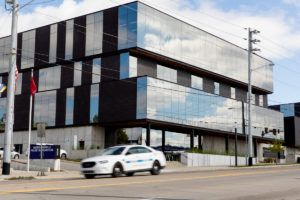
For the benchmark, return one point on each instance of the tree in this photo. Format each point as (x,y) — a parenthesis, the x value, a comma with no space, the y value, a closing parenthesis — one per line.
(122,137)
(277,148)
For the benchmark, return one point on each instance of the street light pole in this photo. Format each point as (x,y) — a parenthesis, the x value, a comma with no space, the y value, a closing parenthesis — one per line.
(250,50)
(10,91)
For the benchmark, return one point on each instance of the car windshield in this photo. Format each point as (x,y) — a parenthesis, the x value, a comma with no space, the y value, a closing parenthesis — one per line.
(112,151)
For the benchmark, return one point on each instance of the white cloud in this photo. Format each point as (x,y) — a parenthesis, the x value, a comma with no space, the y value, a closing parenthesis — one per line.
(292,2)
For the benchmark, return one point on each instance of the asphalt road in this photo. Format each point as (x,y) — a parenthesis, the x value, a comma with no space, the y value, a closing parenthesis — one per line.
(263,183)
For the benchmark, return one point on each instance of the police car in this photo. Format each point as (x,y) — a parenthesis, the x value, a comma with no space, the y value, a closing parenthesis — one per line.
(126,160)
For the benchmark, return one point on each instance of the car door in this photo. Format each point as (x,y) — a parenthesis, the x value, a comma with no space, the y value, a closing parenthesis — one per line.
(145,157)
(131,159)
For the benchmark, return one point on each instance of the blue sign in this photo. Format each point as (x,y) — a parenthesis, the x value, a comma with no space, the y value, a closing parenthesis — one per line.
(48,151)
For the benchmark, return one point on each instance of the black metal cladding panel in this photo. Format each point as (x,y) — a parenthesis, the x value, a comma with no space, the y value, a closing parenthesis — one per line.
(110,30)
(42,44)
(241,95)
(60,116)
(61,41)
(19,50)
(265,99)
(208,85)
(26,80)
(146,67)
(257,99)
(36,77)
(225,90)
(275,107)
(67,76)
(21,112)
(87,69)
(118,101)
(183,78)
(110,69)
(297,131)
(289,131)
(79,37)
(82,104)
(4,81)
(297,109)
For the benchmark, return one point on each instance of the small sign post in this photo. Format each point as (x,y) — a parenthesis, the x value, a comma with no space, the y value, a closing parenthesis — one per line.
(41,132)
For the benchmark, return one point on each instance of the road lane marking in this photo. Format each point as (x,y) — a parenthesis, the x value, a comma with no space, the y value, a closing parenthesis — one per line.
(143,182)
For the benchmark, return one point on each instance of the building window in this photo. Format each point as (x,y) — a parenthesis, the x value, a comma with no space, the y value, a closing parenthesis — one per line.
(69,39)
(2,113)
(19,84)
(166,73)
(261,100)
(96,76)
(77,73)
(288,110)
(94,103)
(4,57)
(28,48)
(232,93)
(94,34)
(45,108)
(49,78)
(216,88)
(53,43)
(69,106)
(128,66)
(127,26)
(197,82)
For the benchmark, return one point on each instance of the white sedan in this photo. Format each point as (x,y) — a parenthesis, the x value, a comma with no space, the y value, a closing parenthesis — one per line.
(126,159)
(13,155)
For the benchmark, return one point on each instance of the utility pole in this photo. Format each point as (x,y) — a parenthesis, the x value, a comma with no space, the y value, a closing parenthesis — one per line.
(250,50)
(10,90)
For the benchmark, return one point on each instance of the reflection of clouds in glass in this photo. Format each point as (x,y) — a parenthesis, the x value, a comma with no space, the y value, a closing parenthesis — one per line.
(197,108)
(28,48)
(69,39)
(94,32)
(49,78)
(45,107)
(168,36)
(94,102)
(69,106)
(4,50)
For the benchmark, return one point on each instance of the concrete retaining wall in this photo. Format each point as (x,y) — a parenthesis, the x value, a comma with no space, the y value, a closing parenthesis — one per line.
(210,160)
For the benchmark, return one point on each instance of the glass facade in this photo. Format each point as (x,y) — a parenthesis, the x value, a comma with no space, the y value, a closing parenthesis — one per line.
(166,73)
(127,26)
(96,76)
(19,84)
(165,101)
(69,39)
(288,110)
(128,66)
(49,78)
(28,49)
(94,103)
(261,100)
(2,113)
(197,82)
(45,108)
(216,88)
(69,106)
(77,73)
(165,35)
(53,43)
(94,34)
(4,50)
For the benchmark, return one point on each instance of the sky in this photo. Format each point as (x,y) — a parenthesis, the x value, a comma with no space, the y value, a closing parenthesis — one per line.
(277,20)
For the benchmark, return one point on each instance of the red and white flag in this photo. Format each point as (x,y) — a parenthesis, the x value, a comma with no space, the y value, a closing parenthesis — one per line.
(33,88)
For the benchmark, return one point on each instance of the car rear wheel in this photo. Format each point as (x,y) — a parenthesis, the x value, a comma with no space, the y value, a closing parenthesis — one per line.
(63,156)
(89,176)
(155,168)
(130,174)
(117,170)
(16,157)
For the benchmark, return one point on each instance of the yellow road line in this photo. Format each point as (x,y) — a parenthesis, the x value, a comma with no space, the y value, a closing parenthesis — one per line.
(142,182)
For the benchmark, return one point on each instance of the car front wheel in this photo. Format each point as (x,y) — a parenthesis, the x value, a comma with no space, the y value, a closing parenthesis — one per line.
(155,168)
(63,156)
(117,170)
(16,157)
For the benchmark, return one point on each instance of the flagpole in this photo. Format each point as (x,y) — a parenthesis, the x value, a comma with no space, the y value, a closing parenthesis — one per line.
(29,131)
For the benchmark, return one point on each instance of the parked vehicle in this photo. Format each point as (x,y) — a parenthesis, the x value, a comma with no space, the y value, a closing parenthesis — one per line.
(126,159)
(14,154)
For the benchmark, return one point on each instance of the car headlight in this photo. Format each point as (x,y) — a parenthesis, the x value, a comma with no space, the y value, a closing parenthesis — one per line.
(103,161)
